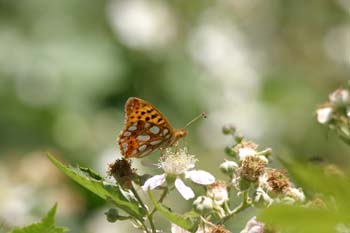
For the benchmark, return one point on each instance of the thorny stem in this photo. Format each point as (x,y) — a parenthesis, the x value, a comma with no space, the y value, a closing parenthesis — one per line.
(149,217)
(161,199)
(239,208)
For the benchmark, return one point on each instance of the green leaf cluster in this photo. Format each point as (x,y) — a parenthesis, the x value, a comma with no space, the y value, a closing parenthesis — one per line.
(46,225)
(92,181)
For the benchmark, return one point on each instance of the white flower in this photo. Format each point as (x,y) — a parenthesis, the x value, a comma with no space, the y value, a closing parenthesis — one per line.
(261,194)
(177,229)
(253,226)
(245,152)
(324,115)
(340,97)
(175,165)
(218,192)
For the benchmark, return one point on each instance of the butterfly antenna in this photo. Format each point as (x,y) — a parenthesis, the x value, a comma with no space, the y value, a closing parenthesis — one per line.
(202,115)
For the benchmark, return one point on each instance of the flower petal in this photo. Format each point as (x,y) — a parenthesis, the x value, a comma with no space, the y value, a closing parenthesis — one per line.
(245,152)
(154,182)
(200,177)
(324,115)
(184,190)
(177,229)
(253,226)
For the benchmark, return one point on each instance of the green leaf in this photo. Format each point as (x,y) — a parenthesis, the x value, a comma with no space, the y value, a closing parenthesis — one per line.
(334,191)
(92,181)
(187,221)
(47,225)
(316,180)
(298,219)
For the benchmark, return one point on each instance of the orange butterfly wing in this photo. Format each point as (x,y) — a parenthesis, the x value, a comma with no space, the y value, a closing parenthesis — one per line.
(146,129)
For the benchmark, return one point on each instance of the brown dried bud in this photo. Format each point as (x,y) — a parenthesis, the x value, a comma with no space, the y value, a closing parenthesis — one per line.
(277,180)
(218,229)
(122,172)
(252,167)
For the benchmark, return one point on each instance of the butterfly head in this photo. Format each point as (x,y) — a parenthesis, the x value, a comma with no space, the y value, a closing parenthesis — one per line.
(180,133)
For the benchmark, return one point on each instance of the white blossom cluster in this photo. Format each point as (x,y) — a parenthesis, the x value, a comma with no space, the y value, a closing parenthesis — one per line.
(251,172)
(335,113)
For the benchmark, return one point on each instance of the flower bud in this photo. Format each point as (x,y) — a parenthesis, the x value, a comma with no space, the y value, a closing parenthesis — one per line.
(228,167)
(340,97)
(324,115)
(218,192)
(230,152)
(203,204)
(229,129)
(112,215)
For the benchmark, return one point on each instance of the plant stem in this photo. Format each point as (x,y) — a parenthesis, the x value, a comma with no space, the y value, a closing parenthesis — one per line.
(149,217)
(205,221)
(161,199)
(239,208)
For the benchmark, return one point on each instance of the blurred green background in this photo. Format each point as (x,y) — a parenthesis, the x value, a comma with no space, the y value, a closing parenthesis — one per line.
(67,68)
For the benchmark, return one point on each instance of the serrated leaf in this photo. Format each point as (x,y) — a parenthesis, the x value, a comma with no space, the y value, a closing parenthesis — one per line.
(188,222)
(47,225)
(92,181)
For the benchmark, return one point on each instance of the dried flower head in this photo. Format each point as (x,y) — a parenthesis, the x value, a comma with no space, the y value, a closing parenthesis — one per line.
(316,203)
(218,192)
(122,172)
(275,180)
(252,167)
(217,229)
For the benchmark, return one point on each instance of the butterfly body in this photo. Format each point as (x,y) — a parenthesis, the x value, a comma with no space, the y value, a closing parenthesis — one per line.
(146,130)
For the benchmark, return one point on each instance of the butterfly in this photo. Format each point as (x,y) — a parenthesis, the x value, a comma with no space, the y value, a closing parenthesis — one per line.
(146,130)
